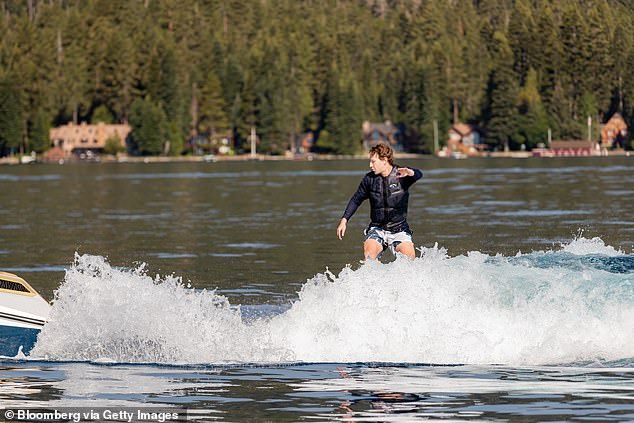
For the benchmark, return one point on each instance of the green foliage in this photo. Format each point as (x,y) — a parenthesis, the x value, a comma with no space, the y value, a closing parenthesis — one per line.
(343,117)
(39,132)
(101,114)
(549,61)
(175,138)
(326,141)
(212,119)
(502,96)
(148,126)
(114,146)
(521,34)
(10,117)
(217,68)
(532,124)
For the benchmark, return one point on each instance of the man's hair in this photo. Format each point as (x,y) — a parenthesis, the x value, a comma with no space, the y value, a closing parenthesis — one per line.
(383,151)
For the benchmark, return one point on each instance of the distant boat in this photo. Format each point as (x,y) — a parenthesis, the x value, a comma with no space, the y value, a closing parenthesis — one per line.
(23,313)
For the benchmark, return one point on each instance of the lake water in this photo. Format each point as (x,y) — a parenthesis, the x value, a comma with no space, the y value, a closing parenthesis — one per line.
(221,289)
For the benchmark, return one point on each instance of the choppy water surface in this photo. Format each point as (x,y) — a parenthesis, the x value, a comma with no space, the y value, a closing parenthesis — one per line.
(221,288)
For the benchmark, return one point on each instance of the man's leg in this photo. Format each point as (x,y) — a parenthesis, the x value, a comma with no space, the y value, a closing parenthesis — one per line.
(406,248)
(372,249)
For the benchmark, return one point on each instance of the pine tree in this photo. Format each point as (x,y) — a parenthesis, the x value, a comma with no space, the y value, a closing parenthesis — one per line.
(114,70)
(370,92)
(436,107)
(11,122)
(415,92)
(211,118)
(147,120)
(343,117)
(163,85)
(575,59)
(620,50)
(520,35)
(101,114)
(502,95)
(532,122)
(431,20)
(600,64)
(247,118)
(549,62)
(39,133)
(71,87)
(475,62)
(267,120)
(232,82)
(351,119)
(174,136)
(495,12)
(153,83)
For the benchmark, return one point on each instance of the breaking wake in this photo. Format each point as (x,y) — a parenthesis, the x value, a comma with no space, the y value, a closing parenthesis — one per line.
(567,305)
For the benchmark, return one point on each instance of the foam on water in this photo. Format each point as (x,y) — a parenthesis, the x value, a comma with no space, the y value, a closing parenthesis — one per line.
(584,246)
(573,304)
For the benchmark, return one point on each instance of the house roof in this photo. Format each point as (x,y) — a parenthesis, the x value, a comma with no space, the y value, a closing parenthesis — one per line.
(462,128)
(616,116)
(385,128)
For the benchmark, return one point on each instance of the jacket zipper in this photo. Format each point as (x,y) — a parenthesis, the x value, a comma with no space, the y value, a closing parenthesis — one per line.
(385,209)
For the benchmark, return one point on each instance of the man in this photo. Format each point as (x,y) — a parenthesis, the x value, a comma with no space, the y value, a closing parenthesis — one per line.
(386,186)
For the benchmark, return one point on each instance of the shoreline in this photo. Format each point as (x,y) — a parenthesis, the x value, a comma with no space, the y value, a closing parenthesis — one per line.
(309,157)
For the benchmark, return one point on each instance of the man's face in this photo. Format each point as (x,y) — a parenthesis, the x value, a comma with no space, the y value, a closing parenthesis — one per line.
(378,165)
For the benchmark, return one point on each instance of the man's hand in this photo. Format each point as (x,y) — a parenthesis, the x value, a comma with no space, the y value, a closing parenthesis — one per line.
(402,172)
(341,229)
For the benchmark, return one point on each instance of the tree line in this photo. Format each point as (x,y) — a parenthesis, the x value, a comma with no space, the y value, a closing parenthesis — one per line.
(182,70)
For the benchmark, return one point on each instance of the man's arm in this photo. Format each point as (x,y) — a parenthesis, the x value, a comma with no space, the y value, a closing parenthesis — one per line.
(409,176)
(354,203)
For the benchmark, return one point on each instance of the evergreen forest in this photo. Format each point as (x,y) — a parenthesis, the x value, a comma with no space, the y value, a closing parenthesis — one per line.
(183,70)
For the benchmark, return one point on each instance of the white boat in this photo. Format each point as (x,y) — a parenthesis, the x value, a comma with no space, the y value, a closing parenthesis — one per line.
(23,313)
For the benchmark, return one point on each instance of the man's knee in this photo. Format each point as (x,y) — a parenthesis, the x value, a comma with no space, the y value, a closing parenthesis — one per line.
(372,249)
(407,249)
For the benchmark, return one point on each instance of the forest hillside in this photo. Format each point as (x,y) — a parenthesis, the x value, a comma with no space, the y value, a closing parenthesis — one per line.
(181,69)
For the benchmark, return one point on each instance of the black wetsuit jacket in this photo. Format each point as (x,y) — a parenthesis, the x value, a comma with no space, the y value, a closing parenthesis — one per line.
(388,199)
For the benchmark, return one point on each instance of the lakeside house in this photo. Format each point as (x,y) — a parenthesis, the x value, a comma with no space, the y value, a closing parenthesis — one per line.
(203,144)
(304,143)
(575,148)
(613,136)
(569,148)
(386,132)
(614,132)
(464,139)
(75,139)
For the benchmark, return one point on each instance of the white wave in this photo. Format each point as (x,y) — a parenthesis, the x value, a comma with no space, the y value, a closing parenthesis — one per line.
(436,309)
(102,313)
(583,246)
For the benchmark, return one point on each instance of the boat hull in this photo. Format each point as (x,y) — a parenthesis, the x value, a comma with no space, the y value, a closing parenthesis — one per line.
(13,338)
(23,313)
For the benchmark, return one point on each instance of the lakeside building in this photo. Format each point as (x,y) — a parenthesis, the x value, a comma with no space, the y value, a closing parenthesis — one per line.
(203,144)
(304,143)
(375,133)
(613,137)
(463,140)
(83,138)
(614,132)
(569,148)
(575,148)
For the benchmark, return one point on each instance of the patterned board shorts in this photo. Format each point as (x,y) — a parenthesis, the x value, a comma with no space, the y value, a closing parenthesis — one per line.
(387,239)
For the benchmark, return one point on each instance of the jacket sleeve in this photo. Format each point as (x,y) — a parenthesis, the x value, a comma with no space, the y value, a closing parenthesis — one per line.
(408,181)
(357,198)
